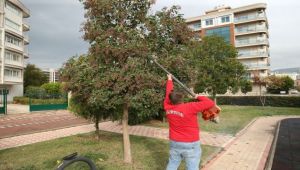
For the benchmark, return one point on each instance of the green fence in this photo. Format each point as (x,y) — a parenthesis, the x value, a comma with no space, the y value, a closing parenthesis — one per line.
(3,101)
(48,103)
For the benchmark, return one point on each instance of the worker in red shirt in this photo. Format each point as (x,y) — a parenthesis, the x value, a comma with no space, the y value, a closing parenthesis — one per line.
(183,127)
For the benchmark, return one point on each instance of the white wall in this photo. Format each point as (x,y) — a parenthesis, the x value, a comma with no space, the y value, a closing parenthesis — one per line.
(14,90)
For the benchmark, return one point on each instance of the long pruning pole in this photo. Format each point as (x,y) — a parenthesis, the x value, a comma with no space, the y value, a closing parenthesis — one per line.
(174,78)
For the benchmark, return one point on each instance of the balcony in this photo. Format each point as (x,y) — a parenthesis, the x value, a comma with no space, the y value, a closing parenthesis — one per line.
(13,47)
(14,63)
(26,39)
(26,26)
(249,18)
(262,66)
(250,30)
(246,55)
(15,80)
(251,42)
(26,53)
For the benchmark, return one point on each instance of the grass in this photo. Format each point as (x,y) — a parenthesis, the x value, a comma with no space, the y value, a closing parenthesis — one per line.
(107,153)
(234,118)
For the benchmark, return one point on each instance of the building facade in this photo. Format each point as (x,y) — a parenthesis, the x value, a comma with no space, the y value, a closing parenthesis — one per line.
(52,75)
(245,27)
(13,46)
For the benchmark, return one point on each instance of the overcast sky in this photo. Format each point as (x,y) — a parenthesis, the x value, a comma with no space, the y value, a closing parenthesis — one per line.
(55,25)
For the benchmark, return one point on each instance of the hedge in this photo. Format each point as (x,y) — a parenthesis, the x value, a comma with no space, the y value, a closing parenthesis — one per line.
(276,101)
(25,101)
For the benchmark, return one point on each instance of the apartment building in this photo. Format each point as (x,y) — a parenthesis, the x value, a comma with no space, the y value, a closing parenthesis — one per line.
(13,45)
(52,74)
(244,27)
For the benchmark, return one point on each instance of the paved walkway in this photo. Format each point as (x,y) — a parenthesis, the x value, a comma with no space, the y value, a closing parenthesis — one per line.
(213,139)
(18,124)
(249,151)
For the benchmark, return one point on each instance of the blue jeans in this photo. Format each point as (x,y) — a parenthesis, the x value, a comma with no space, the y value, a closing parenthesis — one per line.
(189,151)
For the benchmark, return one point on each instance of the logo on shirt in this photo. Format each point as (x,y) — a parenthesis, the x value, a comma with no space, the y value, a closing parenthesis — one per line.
(174,112)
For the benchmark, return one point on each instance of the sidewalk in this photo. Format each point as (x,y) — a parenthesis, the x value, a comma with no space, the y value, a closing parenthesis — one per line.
(213,139)
(249,151)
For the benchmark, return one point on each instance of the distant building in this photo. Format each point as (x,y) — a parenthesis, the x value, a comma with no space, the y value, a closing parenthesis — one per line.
(13,45)
(245,27)
(298,80)
(52,74)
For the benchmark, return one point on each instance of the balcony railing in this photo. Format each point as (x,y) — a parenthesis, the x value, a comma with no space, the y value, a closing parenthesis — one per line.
(252,54)
(249,29)
(26,27)
(246,42)
(15,63)
(249,17)
(257,66)
(13,79)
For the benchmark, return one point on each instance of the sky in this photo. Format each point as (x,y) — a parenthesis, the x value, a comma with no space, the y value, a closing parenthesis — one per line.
(55,28)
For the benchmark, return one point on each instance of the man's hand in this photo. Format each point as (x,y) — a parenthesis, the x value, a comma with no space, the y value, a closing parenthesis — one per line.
(169,76)
(200,94)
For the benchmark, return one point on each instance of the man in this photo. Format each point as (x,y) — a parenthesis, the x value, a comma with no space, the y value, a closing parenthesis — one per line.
(183,127)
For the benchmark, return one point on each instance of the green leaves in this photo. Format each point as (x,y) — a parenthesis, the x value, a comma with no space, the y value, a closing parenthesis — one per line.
(216,65)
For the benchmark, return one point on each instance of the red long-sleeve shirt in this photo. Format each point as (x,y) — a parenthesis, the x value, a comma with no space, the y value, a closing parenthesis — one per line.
(183,121)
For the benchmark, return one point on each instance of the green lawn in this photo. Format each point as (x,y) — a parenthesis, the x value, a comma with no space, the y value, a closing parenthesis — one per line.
(234,118)
(107,153)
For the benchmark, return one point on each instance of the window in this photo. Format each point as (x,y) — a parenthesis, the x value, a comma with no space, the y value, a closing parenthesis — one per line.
(197,25)
(221,31)
(209,22)
(12,73)
(12,24)
(12,8)
(13,40)
(225,19)
(11,56)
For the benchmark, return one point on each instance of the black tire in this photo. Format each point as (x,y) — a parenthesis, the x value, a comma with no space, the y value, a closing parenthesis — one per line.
(67,163)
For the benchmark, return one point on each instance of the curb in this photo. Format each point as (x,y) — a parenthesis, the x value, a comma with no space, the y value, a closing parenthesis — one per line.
(270,158)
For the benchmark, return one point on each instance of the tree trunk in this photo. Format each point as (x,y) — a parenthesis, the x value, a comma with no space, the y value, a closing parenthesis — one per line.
(126,141)
(97,132)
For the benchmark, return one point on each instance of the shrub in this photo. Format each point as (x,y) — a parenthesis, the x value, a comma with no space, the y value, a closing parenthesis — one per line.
(35,92)
(21,100)
(277,101)
(53,89)
(25,101)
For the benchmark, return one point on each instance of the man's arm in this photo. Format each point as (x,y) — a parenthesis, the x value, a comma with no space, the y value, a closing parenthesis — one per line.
(203,103)
(169,88)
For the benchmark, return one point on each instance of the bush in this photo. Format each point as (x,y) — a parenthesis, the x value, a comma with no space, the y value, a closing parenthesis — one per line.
(277,101)
(21,100)
(25,101)
(35,92)
(53,89)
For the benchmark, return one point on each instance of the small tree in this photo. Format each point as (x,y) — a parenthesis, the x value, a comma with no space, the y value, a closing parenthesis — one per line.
(120,77)
(217,68)
(277,84)
(34,76)
(246,86)
(53,89)
(260,82)
(288,83)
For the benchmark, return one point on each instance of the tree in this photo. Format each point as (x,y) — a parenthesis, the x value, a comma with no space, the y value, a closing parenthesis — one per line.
(260,82)
(34,76)
(277,84)
(274,84)
(217,68)
(117,75)
(246,86)
(288,83)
